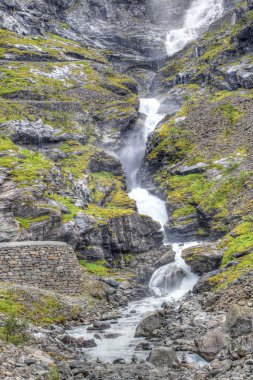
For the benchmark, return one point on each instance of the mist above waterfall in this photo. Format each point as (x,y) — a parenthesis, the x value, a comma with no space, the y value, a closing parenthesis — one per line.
(197,18)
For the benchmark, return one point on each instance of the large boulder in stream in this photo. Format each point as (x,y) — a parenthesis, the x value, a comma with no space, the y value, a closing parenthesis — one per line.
(150,323)
(163,357)
(203,258)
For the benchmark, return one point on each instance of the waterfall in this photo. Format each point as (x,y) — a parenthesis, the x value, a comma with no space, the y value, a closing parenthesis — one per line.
(197,18)
(175,279)
(131,157)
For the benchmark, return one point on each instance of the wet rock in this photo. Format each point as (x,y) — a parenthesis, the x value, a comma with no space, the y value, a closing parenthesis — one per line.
(89,343)
(119,361)
(239,320)
(150,323)
(212,342)
(101,325)
(143,346)
(203,258)
(86,343)
(163,357)
(112,335)
(115,314)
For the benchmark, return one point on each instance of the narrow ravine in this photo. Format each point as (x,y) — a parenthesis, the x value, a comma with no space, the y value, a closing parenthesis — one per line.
(170,282)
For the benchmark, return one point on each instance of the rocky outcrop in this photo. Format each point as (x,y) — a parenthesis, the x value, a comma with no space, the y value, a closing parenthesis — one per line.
(134,233)
(204,258)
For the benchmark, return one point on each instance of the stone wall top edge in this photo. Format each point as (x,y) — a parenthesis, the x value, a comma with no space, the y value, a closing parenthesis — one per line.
(13,244)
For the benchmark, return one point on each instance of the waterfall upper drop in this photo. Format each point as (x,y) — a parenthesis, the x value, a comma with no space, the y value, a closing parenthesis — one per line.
(197,18)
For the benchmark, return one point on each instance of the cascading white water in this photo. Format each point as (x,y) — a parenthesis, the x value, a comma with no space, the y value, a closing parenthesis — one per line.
(175,279)
(147,203)
(197,18)
(172,281)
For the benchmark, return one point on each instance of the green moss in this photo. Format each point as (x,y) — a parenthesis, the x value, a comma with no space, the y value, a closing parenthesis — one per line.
(26,223)
(105,214)
(238,247)
(184,211)
(69,203)
(230,112)
(226,190)
(98,268)
(191,187)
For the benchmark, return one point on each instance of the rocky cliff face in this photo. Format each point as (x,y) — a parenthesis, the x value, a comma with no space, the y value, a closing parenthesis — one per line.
(130,28)
(200,157)
(64,113)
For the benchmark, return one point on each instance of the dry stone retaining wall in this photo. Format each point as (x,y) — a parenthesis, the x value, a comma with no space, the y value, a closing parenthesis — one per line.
(47,264)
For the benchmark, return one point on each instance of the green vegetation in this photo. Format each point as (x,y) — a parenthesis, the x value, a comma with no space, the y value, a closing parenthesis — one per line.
(69,203)
(238,248)
(27,222)
(14,330)
(97,268)
(54,374)
(230,112)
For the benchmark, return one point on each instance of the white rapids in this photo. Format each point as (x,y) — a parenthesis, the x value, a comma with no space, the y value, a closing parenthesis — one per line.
(124,345)
(197,18)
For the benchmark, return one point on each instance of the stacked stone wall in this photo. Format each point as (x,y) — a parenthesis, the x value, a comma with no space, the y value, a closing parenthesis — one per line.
(48,264)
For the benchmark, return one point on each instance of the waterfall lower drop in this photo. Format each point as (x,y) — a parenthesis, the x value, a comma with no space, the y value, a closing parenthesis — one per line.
(147,203)
(197,18)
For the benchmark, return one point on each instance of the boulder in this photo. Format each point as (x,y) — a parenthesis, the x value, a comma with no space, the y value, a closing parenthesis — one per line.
(244,345)
(163,357)
(203,258)
(200,167)
(212,343)
(239,320)
(150,323)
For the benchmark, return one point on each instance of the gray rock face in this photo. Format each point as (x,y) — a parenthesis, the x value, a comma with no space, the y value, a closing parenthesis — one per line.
(239,320)
(163,357)
(133,233)
(97,22)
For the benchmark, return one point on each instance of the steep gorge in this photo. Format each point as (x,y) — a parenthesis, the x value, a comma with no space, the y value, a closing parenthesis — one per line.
(77,79)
